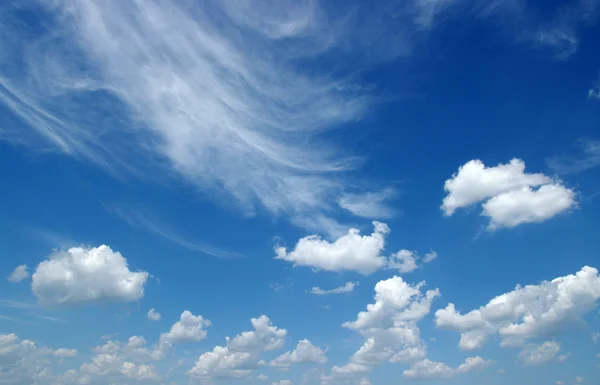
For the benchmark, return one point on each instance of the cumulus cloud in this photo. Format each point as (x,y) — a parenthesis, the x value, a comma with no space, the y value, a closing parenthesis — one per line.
(62,352)
(389,326)
(139,371)
(428,369)
(507,192)
(350,252)
(241,354)
(19,274)
(348,287)
(189,328)
(593,94)
(539,354)
(304,353)
(82,275)
(527,312)
(153,315)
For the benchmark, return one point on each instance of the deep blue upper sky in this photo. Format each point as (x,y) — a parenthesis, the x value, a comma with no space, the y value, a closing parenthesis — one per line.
(212,157)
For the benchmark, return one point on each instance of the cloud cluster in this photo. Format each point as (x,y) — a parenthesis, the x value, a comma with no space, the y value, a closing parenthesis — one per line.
(304,353)
(82,275)
(510,196)
(389,326)
(351,252)
(427,369)
(241,354)
(527,312)
(539,354)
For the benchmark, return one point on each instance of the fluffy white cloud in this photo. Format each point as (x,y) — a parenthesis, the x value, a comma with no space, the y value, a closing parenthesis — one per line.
(526,312)
(593,94)
(241,354)
(304,353)
(139,371)
(539,354)
(189,328)
(83,275)
(348,287)
(19,274)
(579,380)
(349,252)
(595,337)
(428,369)
(508,193)
(153,315)
(527,205)
(389,327)
(404,261)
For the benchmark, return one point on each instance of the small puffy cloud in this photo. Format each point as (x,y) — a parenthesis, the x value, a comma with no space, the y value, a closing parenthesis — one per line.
(595,337)
(430,256)
(262,377)
(539,354)
(19,274)
(139,371)
(579,380)
(427,369)
(526,312)
(282,382)
(82,275)
(507,192)
(404,261)
(189,328)
(563,357)
(349,252)
(501,371)
(153,315)
(264,337)
(560,383)
(304,353)
(593,94)
(348,287)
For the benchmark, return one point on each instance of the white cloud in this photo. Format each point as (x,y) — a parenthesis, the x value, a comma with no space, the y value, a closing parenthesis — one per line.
(153,315)
(19,274)
(404,261)
(593,94)
(586,157)
(139,371)
(579,380)
(528,206)
(62,352)
(595,337)
(241,355)
(539,354)
(189,328)
(83,275)
(428,369)
(563,357)
(370,205)
(348,287)
(389,327)
(282,382)
(560,383)
(304,353)
(507,190)
(526,312)
(350,252)
(194,94)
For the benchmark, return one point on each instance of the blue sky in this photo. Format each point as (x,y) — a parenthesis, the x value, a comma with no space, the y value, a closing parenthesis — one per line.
(299,192)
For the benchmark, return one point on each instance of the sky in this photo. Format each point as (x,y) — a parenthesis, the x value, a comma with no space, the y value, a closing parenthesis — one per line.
(299,192)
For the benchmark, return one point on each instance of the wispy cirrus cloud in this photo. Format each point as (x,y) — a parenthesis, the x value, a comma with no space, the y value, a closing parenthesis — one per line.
(227,95)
